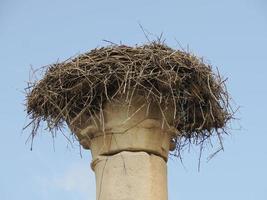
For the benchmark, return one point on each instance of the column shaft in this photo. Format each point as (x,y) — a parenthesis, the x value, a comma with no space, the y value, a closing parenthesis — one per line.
(130,176)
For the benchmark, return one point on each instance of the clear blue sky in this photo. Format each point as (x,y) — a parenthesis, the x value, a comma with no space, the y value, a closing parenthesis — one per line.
(230,34)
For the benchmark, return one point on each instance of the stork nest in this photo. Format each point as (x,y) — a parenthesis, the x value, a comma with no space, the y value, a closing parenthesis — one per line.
(84,83)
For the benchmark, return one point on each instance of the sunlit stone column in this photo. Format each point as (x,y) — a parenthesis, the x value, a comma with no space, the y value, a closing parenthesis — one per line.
(130,143)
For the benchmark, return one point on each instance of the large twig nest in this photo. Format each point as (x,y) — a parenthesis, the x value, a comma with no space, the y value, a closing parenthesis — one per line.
(86,82)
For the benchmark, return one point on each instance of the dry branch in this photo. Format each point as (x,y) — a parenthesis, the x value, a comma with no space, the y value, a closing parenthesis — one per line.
(83,84)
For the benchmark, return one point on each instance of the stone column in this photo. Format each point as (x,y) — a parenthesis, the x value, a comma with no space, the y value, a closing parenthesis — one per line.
(131,176)
(130,143)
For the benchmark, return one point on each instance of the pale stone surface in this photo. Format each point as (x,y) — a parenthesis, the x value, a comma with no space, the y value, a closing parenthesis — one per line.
(130,143)
(140,126)
(139,138)
(131,176)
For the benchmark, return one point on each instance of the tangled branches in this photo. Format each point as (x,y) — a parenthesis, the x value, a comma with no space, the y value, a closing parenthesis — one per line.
(83,84)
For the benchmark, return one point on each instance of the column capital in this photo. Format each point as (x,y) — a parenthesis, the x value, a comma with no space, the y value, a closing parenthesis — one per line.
(123,126)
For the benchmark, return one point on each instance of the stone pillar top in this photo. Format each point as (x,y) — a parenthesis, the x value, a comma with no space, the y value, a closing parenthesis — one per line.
(123,126)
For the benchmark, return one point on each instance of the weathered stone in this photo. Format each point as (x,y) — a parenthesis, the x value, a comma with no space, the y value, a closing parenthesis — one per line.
(130,143)
(131,176)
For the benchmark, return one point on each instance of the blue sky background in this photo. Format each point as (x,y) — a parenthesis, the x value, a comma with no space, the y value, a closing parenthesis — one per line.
(230,34)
